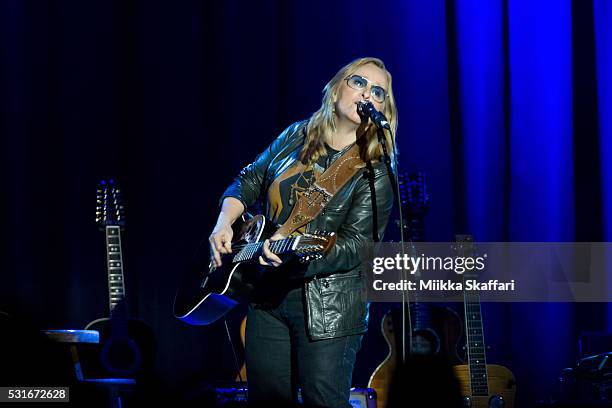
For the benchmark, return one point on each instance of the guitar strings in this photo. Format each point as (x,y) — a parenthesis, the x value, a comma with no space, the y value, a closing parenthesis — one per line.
(253,245)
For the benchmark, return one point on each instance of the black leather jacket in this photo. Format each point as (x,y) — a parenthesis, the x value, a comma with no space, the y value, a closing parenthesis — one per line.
(334,285)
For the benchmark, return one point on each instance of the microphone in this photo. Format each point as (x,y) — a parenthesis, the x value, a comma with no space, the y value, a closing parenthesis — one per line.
(366,109)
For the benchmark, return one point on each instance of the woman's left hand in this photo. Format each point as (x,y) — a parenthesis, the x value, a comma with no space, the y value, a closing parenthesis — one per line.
(268,258)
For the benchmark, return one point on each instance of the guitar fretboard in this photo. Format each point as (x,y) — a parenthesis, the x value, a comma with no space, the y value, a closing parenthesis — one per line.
(281,246)
(114,262)
(475,343)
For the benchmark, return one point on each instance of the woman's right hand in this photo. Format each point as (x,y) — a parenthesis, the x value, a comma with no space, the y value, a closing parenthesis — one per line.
(220,242)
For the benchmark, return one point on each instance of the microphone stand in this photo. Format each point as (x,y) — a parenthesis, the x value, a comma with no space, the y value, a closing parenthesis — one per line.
(382,140)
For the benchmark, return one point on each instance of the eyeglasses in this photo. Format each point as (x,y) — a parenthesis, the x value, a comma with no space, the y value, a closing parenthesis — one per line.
(358,82)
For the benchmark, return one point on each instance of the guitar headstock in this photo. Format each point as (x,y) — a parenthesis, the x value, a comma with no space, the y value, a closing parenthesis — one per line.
(109,205)
(314,245)
(414,195)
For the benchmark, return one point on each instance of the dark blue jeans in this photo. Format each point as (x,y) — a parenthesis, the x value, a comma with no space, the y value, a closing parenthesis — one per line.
(280,357)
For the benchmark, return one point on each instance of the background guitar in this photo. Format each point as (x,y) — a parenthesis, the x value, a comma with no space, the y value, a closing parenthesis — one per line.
(436,330)
(482,385)
(127,346)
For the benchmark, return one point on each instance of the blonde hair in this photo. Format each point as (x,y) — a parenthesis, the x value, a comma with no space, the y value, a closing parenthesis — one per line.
(322,123)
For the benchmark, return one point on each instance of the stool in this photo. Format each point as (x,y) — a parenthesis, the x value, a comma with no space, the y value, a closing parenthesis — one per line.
(76,337)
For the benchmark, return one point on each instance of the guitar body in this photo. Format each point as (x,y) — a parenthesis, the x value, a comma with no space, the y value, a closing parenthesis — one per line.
(502,387)
(440,334)
(205,297)
(127,348)
(381,378)
(435,330)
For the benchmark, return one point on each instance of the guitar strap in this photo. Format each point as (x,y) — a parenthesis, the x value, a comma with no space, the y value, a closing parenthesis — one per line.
(312,201)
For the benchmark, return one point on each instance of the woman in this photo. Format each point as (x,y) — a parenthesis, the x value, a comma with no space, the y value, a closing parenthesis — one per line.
(305,327)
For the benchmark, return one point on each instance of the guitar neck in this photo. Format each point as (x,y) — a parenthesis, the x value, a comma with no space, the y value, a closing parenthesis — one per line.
(251,251)
(114,265)
(475,343)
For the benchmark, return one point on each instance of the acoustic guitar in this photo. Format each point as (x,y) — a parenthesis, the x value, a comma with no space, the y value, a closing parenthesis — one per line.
(207,295)
(434,329)
(127,345)
(482,385)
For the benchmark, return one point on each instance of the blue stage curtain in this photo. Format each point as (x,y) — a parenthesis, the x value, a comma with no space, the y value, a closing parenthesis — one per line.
(506,105)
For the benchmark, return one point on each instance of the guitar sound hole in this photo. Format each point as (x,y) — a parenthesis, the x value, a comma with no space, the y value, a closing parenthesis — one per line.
(121,357)
(425,342)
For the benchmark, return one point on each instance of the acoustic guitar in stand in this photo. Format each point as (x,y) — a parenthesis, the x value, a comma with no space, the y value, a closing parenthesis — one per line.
(435,330)
(482,385)
(127,346)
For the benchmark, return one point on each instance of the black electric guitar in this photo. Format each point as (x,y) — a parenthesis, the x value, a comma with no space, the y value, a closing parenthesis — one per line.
(127,346)
(208,292)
